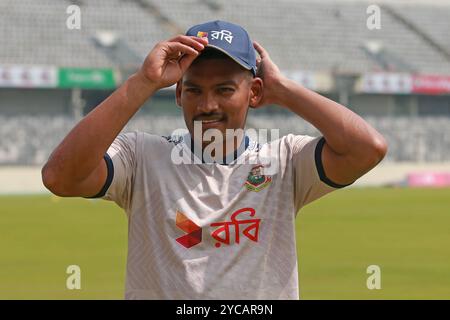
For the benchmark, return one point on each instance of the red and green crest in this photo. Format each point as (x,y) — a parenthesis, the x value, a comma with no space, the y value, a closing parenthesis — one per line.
(256,180)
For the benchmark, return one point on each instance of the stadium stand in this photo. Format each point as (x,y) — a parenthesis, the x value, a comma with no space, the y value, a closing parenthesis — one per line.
(28,140)
(34,32)
(306,35)
(319,35)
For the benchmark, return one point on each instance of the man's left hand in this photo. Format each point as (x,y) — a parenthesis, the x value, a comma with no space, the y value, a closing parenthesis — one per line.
(271,75)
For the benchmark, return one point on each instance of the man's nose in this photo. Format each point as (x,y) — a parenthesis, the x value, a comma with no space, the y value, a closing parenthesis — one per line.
(207,103)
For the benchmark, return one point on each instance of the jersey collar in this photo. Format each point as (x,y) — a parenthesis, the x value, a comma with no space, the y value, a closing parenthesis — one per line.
(227,159)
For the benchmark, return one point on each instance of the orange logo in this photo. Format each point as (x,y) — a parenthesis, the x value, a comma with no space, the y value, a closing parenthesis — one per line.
(194,232)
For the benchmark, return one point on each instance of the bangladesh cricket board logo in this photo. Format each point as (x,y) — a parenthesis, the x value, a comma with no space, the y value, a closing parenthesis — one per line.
(256,180)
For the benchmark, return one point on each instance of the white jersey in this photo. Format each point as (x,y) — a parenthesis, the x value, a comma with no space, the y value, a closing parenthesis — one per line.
(212,231)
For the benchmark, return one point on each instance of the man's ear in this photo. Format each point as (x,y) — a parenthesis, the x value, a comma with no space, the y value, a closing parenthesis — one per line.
(256,92)
(178,93)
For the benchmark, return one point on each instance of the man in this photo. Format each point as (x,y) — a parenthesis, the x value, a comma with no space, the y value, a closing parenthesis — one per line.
(211,230)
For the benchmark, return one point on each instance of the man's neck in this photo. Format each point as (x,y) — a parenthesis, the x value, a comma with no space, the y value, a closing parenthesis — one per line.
(231,149)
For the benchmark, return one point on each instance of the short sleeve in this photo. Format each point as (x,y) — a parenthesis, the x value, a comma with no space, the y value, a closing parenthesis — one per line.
(122,154)
(310,181)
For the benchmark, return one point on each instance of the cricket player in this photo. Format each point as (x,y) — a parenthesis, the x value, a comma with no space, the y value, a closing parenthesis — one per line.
(211,229)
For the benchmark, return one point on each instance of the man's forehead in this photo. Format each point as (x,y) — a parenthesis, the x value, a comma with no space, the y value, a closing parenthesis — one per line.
(215,71)
(212,82)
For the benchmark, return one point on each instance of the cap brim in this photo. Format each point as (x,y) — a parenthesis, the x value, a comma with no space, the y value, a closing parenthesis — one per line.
(242,64)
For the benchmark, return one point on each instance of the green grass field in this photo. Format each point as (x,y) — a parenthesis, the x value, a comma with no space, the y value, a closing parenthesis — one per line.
(404,231)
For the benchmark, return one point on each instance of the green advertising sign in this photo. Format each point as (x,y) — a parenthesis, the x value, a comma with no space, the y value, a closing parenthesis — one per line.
(86,78)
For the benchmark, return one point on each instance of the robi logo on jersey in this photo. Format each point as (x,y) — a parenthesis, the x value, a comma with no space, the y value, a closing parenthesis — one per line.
(223,230)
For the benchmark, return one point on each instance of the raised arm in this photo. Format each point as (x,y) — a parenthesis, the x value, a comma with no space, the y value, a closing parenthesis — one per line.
(352,146)
(76,167)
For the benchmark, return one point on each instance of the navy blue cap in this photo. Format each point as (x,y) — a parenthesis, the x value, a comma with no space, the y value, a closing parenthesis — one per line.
(229,38)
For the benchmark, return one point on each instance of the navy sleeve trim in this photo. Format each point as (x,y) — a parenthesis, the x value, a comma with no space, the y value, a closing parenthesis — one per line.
(109,177)
(319,166)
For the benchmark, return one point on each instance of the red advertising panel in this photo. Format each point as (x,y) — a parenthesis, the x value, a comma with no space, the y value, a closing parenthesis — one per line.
(428,84)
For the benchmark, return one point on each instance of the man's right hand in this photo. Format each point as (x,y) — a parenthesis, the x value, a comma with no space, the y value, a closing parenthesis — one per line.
(169,60)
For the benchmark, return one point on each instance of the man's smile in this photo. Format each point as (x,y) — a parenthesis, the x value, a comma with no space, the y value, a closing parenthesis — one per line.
(210,120)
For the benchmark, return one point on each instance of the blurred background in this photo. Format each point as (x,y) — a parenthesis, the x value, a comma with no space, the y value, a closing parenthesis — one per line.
(397,77)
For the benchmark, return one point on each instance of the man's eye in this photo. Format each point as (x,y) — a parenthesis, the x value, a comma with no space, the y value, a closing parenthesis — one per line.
(193,90)
(226,90)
